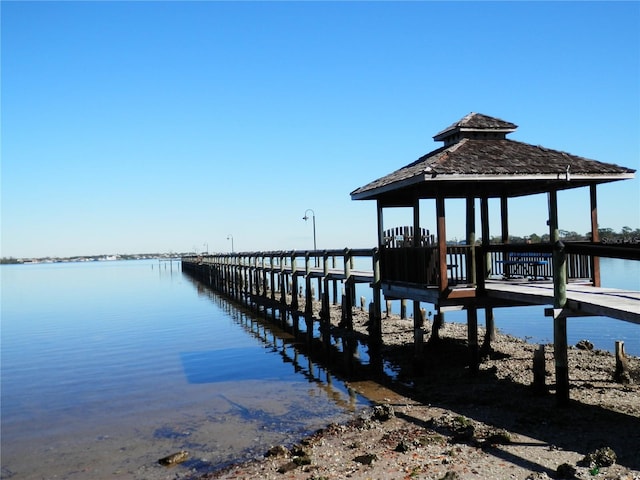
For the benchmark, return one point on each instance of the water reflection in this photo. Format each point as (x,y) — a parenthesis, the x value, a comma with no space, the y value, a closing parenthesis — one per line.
(201,367)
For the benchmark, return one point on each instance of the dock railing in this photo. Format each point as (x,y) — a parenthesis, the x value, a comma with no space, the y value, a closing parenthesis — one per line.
(407,264)
(581,258)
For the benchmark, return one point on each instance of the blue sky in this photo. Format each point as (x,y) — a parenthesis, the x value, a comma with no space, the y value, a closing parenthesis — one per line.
(152,127)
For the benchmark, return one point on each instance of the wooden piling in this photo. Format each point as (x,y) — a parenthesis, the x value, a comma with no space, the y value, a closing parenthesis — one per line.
(539,372)
(561,355)
(621,374)
(472,340)
(489,333)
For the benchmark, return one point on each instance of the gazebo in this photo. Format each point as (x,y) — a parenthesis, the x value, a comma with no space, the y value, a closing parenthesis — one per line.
(478,162)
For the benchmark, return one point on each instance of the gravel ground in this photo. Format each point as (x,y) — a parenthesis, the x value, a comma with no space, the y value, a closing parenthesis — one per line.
(445,423)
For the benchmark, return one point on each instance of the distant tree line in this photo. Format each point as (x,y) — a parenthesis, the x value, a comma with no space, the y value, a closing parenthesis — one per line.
(607,235)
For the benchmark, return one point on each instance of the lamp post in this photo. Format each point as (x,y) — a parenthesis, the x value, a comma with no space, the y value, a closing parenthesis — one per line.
(305,218)
(230,237)
(206,245)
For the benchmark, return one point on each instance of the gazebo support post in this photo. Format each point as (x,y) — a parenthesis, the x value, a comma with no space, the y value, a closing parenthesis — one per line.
(595,235)
(418,323)
(559,301)
(490,331)
(442,244)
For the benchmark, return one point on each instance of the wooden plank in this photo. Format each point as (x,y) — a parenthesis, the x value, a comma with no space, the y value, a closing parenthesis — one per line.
(584,299)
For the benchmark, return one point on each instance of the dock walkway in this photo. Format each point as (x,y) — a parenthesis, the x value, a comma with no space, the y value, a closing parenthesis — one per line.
(582,299)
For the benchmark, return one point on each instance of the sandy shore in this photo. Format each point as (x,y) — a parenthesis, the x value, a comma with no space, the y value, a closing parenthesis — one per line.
(448,424)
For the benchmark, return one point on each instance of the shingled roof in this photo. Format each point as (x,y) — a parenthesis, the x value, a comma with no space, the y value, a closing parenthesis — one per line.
(479,160)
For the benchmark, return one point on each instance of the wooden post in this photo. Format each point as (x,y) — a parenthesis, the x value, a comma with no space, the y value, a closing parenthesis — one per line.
(504,228)
(595,235)
(472,339)
(375,327)
(348,307)
(380,225)
(560,299)
(349,288)
(325,313)
(438,322)
(621,374)
(343,312)
(504,219)
(272,276)
(486,240)
(265,278)
(283,301)
(418,331)
(415,241)
(403,308)
(539,372)
(294,283)
(375,357)
(388,310)
(490,332)
(308,295)
(471,240)
(442,244)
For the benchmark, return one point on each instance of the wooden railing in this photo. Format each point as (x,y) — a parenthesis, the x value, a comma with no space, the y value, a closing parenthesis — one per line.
(420,265)
(579,262)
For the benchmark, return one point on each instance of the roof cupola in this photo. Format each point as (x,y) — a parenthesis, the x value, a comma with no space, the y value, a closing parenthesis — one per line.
(476,126)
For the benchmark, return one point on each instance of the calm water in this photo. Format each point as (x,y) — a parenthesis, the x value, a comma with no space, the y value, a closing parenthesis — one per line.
(109,366)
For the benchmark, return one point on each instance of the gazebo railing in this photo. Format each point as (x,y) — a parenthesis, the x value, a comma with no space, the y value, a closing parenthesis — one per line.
(420,265)
(532,261)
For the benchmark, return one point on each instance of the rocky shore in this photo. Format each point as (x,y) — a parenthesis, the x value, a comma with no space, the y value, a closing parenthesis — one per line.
(445,423)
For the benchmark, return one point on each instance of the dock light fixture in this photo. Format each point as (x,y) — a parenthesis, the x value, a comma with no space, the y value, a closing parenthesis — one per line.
(230,237)
(305,218)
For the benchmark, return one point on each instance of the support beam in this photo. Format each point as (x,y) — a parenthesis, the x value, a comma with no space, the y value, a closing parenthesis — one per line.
(484,226)
(472,340)
(471,240)
(442,244)
(560,346)
(380,225)
(504,219)
(595,235)
(490,332)
(416,223)
(375,327)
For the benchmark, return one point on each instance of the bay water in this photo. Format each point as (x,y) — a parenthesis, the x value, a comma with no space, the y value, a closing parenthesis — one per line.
(109,366)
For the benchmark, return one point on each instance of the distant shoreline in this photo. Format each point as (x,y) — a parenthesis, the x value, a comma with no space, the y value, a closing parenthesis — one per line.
(93,258)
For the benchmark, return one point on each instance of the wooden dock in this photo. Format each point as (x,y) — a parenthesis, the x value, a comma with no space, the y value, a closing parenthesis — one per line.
(582,299)
(271,269)
(476,163)
(282,284)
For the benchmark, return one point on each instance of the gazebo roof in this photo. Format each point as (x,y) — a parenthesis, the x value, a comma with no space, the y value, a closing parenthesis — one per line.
(477,160)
